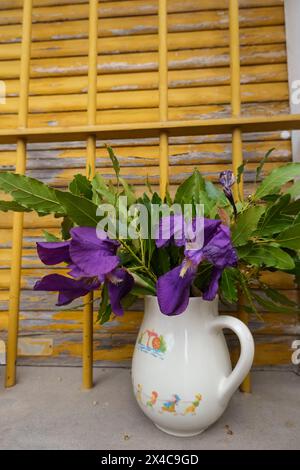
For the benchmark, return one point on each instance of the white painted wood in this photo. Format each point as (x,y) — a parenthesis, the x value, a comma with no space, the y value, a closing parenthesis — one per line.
(292,23)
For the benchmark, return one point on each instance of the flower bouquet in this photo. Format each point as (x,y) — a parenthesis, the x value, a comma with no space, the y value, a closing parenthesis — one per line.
(198,244)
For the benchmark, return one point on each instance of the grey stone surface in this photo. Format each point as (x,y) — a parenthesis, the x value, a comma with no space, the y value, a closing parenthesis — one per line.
(48,410)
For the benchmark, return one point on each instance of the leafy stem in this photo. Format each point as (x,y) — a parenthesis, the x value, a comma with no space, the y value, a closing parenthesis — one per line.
(142,250)
(247,292)
(139,260)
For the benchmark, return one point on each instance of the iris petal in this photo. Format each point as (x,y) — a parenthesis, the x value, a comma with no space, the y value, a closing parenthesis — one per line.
(173,290)
(69,289)
(211,291)
(210,229)
(171,228)
(120,284)
(219,251)
(94,256)
(51,253)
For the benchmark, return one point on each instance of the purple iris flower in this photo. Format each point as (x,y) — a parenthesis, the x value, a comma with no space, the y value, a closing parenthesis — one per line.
(93,256)
(227,180)
(51,253)
(173,288)
(69,289)
(120,283)
(170,229)
(92,261)
(175,229)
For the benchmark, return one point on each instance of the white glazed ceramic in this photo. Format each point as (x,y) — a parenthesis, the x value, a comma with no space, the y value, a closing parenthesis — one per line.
(181,370)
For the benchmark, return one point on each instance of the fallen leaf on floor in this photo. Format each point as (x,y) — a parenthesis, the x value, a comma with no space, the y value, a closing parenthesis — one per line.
(228,430)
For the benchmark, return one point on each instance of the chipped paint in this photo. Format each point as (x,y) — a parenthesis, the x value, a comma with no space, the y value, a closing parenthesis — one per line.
(57,37)
(35,346)
(125,87)
(60,70)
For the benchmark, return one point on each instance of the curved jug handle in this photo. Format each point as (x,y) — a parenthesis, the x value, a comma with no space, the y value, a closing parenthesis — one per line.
(230,384)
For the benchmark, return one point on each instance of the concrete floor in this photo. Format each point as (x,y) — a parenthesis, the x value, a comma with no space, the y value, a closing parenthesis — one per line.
(48,410)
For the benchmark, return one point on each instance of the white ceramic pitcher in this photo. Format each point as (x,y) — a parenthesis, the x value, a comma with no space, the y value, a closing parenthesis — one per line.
(181,370)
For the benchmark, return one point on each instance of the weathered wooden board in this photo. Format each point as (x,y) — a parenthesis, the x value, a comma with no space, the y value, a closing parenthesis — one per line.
(148,155)
(108,9)
(144,114)
(199,88)
(147,61)
(251,93)
(147,43)
(60,178)
(196,21)
(150,141)
(151,5)
(259,74)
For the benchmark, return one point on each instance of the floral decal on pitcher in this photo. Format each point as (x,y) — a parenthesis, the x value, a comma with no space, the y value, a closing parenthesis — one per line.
(151,342)
(174,406)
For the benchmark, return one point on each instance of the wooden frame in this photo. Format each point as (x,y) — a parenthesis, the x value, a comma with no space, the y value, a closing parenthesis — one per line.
(236,124)
(15,271)
(87,343)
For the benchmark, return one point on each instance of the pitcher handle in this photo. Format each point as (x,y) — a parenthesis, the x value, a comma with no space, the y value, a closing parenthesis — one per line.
(230,384)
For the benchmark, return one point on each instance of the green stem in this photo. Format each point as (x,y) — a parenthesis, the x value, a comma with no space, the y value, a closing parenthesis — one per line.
(248,295)
(142,250)
(142,264)
(261,241)
(135,268)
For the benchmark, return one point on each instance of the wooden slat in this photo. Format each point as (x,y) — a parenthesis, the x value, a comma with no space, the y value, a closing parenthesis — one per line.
(148,61)
(150,98)
(47,12)
(15,4)
(137,81)
(133,143)
(147,43)
(197,21)
(148,129)
(178,173)
(147,155)
(112,117)
(205,4)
